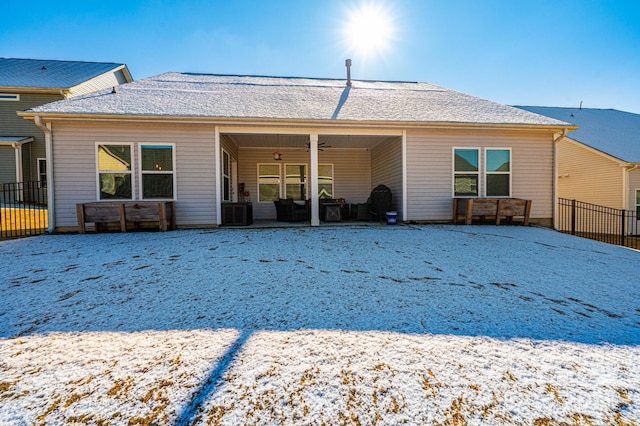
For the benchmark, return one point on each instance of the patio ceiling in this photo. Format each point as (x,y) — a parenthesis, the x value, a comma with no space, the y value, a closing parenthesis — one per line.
(300,141)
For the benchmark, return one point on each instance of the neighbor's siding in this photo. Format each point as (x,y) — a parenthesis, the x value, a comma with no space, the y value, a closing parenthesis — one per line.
(386,169)
(430,169)
(13,125)
(589,176)
(352,173)
(7,164)
(74,149)
(101,82)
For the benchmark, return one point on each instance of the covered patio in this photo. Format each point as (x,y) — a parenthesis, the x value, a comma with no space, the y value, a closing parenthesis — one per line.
(260,166)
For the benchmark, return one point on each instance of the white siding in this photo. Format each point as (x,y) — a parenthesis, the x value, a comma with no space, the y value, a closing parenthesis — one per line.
(103,81)
(429,169)
(386,169)
(352,172)
(589,176)
(75,169)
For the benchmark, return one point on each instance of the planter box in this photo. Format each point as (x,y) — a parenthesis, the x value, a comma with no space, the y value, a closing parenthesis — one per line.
(498,208)
(101,213)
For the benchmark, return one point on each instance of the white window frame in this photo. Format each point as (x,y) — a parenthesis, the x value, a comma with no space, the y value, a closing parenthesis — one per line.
(228,177)
(454,173)
(9,97)
(637,203)
(258,180)
(40,172)
(486,173)
(305,181)
(333,178)
(98,171)
(159,172)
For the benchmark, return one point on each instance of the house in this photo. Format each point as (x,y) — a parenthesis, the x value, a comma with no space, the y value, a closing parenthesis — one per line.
(26,83)
(205,140)
(600,162)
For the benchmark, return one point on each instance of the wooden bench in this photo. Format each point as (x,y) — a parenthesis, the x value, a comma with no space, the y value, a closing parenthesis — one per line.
(493,207)
(102,212)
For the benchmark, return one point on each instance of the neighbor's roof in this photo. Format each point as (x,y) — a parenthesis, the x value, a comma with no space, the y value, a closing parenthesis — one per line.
(286,98)
(613,132)
(49,74)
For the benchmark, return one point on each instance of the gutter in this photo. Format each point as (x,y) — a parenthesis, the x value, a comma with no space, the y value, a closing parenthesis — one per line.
(46,129)
(290,123)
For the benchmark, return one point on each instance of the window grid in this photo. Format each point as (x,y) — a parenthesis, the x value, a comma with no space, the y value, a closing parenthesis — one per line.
(157,171)
(114,175)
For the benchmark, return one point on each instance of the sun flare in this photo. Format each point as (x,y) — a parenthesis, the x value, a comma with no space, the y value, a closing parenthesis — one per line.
(369,29)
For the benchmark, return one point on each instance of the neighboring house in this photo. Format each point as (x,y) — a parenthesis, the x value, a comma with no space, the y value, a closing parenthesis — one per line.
(26,83)
(600,162)
(203,140)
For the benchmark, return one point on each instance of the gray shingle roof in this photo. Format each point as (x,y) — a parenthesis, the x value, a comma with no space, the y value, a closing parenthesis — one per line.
(218,96)
(48,74)
(614,132)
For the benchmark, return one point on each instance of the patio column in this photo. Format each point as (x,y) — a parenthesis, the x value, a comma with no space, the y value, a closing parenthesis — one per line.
(217,168)
(18,156)
(313,176)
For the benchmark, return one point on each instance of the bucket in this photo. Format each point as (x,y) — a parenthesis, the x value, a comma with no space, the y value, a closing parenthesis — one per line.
(392,218)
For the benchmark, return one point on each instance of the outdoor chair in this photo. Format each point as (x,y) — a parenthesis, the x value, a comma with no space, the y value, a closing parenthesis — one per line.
(287,210)
(380,202)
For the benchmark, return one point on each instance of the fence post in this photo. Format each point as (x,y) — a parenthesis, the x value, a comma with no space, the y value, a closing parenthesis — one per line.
(573,217)
(622,231)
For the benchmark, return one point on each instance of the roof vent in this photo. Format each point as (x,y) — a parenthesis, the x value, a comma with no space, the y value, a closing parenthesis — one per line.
(348,64)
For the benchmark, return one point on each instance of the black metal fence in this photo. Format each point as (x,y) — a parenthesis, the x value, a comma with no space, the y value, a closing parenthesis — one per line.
(606,224)
(23,209)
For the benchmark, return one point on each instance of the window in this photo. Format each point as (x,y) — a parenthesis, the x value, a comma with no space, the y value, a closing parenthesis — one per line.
(295,181)
(42,172)
(114,172)
(9,97)
(325,180)
(465,172)
(637,204)
(268,182)
(157,176)
(498,172)
(226,176)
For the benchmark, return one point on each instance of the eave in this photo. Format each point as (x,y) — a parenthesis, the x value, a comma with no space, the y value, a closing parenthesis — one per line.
(36,90)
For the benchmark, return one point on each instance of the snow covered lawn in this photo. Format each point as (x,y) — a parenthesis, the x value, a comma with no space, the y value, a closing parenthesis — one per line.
(448,325)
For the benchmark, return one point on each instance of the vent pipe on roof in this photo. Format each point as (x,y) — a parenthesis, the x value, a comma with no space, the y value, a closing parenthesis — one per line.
(348,64)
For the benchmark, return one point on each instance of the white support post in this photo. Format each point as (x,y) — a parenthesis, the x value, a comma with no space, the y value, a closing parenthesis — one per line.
(405,190)
(313,175)
(218,173)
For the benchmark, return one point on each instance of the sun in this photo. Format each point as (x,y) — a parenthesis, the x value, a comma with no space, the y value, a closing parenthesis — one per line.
(369,29)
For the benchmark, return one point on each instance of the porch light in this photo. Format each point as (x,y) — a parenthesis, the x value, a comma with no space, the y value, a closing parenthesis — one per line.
(277,156)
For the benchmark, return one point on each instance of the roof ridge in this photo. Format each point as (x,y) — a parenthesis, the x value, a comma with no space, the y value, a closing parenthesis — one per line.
(290,77)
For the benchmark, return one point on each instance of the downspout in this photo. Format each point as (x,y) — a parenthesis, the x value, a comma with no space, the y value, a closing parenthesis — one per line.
(555,177)
(48,145)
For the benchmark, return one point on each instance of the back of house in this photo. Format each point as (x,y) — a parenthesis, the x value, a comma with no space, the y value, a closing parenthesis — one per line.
(205,141)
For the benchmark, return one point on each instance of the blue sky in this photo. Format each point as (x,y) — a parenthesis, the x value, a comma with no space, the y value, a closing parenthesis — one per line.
(545,52)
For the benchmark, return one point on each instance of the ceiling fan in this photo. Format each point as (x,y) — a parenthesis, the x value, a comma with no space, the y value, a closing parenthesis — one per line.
(321,146)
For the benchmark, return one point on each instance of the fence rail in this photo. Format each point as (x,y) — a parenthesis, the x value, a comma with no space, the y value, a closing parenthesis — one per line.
(23,209)
(606,224)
